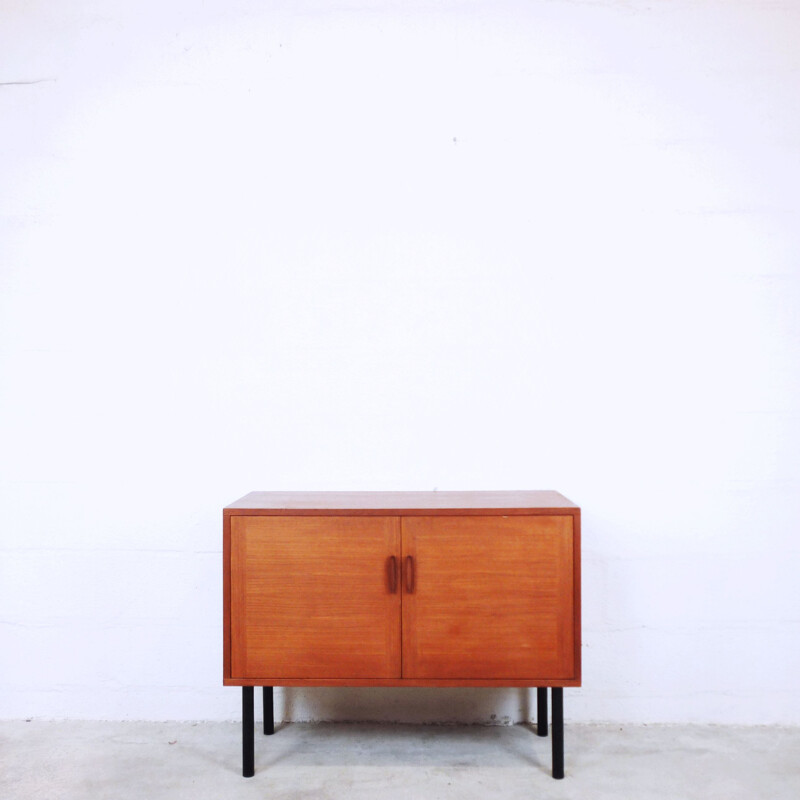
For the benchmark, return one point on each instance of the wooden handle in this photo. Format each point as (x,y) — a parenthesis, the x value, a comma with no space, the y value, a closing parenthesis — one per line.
(392,569)
(409,574)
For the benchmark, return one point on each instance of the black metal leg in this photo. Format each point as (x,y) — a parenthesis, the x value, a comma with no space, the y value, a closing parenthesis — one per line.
(558,732)
(248,733)
(269,716)
(541,711)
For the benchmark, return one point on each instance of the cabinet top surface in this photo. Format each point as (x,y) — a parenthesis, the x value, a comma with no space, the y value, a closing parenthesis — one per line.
(451,502)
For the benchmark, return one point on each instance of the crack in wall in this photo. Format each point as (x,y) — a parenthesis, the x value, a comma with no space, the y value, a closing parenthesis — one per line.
(27,83)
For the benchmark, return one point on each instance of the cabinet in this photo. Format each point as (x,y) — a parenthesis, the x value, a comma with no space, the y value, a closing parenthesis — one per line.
(402,589)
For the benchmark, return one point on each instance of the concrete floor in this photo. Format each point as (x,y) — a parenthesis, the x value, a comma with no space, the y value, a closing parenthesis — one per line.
(152,760)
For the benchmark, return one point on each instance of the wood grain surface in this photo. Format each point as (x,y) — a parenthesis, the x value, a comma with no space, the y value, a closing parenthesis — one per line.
(492,598)
(386,503)
(311,597)
(402,589)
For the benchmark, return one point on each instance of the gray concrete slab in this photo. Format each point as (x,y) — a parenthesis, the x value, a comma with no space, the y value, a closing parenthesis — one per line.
(152,760)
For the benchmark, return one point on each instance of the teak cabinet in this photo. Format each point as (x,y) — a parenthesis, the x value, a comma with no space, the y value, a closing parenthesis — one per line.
(402,589)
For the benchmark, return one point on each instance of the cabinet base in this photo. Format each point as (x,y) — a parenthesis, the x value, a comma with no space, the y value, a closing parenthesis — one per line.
(248,725)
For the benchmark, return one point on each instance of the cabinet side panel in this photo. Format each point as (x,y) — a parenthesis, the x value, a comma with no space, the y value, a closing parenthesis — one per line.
(226,596)
(576,545)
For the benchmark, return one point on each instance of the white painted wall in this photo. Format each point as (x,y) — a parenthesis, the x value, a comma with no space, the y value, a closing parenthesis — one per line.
(385,245)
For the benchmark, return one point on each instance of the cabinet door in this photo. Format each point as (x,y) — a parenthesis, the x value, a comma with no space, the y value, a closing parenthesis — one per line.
(312,597)
(491,597)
